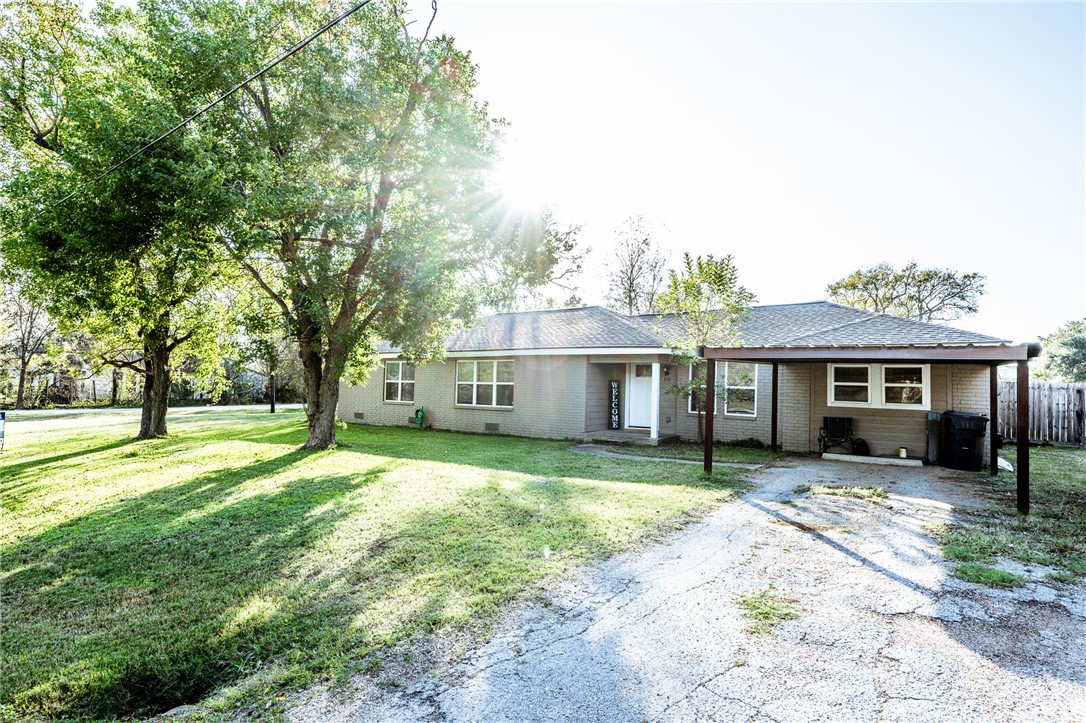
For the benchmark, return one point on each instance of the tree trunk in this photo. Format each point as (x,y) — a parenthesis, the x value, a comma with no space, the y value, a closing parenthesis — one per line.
(160,392)
(113,388)
(156,386)
(20,397)
(271,383)
(322,416)
(321,385)
(145,414)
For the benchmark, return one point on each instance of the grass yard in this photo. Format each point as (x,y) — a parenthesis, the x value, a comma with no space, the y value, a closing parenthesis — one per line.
(1053,534)
(722,452)
(138,576)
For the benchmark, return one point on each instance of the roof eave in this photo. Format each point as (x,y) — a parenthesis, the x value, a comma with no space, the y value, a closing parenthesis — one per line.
(946,353)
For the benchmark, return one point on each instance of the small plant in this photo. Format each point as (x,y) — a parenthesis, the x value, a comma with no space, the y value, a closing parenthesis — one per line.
(936,530)
(766,610)
(1067,578)
(801,489)
(989,576)
(874,494)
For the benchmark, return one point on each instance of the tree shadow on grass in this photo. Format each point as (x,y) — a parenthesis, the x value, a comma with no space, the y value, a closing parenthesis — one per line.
(153,601)
(16,470)
(119,611)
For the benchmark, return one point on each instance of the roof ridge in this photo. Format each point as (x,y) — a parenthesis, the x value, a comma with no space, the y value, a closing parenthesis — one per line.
(835,327)
(628,321)
(541,311)
(756,306)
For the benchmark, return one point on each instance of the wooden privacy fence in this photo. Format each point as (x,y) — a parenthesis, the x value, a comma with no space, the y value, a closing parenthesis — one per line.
(1055,412)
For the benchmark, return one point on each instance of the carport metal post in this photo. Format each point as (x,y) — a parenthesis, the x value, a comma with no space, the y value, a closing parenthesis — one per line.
(710,384)
(993,416)
(1022,392)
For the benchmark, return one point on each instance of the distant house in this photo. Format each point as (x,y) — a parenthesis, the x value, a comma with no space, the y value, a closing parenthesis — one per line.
(590,373)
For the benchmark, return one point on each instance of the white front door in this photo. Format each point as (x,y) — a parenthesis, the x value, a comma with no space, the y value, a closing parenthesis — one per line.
(639,395)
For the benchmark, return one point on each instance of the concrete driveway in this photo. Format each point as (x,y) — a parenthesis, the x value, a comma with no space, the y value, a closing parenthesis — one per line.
(884,631)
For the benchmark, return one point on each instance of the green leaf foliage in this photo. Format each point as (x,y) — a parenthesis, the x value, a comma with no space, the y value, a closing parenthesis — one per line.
(912,292)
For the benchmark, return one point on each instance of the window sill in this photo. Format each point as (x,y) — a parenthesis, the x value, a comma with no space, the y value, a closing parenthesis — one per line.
(725,414)
(482,408)
(906,407)
(398,404)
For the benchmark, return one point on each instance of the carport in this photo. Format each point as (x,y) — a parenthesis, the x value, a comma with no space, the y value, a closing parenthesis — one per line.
(991,355)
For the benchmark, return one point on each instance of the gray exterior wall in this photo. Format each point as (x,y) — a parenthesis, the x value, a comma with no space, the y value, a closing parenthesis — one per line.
(548,399)
(562,397)
(597,406)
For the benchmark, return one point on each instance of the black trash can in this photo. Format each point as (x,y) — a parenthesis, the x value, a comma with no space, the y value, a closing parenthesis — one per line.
(963,441)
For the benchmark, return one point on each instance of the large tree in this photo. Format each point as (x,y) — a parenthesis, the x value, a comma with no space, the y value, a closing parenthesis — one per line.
(636,271)
(363,171)
(931,294)
(1065,353)
(710,306)
(135,251)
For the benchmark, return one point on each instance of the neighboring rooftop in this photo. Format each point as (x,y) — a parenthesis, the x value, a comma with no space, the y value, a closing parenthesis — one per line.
(816,323)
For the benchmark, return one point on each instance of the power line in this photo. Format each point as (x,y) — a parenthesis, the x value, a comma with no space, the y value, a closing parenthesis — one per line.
(238,86)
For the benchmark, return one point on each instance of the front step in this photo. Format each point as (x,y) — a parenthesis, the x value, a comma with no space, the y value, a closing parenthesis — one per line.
(623,436)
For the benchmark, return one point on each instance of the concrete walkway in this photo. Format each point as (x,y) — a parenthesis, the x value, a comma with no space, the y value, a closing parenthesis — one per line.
(602,450)
(884,632)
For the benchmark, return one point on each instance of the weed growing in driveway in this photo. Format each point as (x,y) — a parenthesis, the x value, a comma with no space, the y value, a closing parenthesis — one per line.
(873,494)
(766,610)
(1067,578)
(986,575)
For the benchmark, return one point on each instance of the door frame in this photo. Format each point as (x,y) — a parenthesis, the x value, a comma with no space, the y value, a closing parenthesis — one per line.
(630,367)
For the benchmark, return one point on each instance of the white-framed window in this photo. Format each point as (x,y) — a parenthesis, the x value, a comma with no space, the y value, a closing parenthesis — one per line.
(399,382)
(740,385)
(485,383)
(739,381)
(906,386)
(850,385)
(882,386)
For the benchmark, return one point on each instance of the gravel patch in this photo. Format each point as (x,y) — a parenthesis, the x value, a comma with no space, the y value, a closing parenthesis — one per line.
(884,632)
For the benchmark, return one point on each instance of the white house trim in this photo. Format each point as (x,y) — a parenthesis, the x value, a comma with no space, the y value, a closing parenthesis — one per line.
(654,425)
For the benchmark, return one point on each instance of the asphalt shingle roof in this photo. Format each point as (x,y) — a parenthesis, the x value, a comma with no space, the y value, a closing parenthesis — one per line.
(589,327)
(823,323)
(817,323)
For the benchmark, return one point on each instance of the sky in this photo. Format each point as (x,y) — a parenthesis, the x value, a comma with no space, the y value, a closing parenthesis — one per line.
(805,139)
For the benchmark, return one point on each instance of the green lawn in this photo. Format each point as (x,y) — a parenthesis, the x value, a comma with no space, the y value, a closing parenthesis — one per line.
(138,576)
(1053,534)
(722,452)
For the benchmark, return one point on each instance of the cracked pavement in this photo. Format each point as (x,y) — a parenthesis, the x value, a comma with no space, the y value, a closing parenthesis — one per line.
(884,632)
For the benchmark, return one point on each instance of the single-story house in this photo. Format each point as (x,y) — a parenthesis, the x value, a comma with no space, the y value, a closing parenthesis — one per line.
(591,373)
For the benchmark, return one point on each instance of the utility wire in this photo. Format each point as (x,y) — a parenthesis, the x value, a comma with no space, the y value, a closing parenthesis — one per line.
(224,61)
(282,56)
